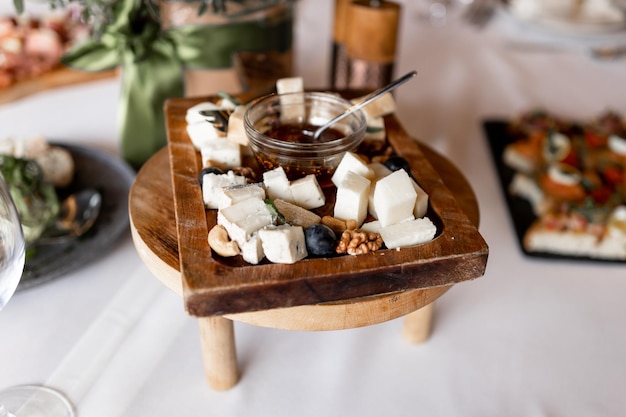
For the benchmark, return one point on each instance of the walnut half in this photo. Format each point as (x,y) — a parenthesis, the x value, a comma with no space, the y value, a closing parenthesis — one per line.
(357,242)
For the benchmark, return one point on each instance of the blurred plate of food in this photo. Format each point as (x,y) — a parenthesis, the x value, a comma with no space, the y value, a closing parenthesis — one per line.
(86,168)
(570,17)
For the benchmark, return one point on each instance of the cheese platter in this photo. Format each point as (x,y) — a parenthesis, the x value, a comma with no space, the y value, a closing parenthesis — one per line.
(216,285)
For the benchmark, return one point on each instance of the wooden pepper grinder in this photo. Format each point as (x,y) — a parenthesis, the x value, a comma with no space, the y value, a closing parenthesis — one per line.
(339,59)
(365,40)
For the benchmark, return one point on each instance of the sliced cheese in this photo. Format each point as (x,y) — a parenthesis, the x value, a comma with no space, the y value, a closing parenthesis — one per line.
(371,227)
(283,244)
(221,152)
(203,133)
(212,185)
(227,196)
(408,233)
(241,220)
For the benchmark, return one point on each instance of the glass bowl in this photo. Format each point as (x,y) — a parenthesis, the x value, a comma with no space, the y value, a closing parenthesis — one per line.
(279,128)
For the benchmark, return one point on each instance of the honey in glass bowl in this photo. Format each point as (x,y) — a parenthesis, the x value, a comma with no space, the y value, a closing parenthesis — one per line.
(280,133)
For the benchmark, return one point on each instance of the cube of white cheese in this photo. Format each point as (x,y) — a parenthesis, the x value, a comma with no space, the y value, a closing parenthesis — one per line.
(421,201)
(222,152)
(292,105)
(379,170)
(371,227)
(394,198)
(241,220)
(277,184)
(352,198)
(252,249)
(203,133)
(236,130)
(213,183)
(289,85)
(195,113)
(408,233)
(283,244)
(351,162)
(307,192)
(382,106)
(227,196)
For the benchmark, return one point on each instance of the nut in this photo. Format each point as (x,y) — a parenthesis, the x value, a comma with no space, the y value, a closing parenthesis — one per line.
(247,172)
(334,223)
(357,242)
(221,243)
(338,225)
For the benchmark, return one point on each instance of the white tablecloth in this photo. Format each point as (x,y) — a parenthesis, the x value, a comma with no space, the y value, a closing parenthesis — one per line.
(530,338)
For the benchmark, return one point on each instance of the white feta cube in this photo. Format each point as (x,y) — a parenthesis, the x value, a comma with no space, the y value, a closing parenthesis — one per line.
(371,227)
(351,162)
(408,233)
(236,130)
(292,104)
(289,85)
(227,196)
(283,244)
(277,184)
(379,170)
(195,113)
(352,198)
(221,152)
(203,133)
(307,192)
(213,183)
(394,198)
(382,106)
(252,250)
(241,220)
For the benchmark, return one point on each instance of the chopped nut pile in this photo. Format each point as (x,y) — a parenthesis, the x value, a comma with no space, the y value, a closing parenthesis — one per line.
(358,242)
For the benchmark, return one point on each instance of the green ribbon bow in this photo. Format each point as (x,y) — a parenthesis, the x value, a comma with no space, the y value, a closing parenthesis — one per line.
(153,61)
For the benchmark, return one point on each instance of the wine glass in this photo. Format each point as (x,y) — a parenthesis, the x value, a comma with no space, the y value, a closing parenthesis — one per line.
(23,400)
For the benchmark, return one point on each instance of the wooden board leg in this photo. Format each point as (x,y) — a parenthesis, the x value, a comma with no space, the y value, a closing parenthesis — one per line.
(417,325)
(217,337)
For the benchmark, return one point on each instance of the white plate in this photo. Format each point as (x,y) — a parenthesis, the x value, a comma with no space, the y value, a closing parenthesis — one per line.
(113,178)
(582,25)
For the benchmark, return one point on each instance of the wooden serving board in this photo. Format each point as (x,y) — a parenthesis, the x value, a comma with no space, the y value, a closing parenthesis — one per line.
(60,77)
(213,285)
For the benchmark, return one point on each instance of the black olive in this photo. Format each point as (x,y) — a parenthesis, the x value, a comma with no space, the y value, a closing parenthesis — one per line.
(209,170)
(320,240)
(396,163)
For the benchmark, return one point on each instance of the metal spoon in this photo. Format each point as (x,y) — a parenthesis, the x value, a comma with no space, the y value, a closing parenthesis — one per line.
(78,213)
(371,97)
